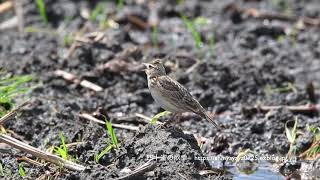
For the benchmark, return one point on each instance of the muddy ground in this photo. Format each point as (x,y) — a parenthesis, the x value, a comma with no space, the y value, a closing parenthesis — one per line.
(244,62)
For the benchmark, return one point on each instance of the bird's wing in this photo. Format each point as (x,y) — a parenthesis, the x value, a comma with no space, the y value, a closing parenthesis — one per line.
(175,92)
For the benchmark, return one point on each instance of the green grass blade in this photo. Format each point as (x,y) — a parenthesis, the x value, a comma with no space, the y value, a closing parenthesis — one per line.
(154,36)
(21,79)
(157,116)
(201,21)
(314,151)
(1,170)
(22,171)
(42,10)
(63,144)
(120,4)
(102,153)
(68,39)
(62,150)
(191,27)
(96,11)
(11,87)
(291,134)
(112,133)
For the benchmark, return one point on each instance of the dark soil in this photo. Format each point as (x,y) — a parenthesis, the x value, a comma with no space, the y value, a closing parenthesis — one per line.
(251,59)
(175,151)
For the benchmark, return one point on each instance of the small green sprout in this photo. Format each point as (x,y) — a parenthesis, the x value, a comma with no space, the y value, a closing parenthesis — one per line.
(180,2)
(1,170)
(99,14)
(157,116)
(154,36)
(314,150)
(281,38)
(42,10)
(22,171)
(288,88)
(31,29)
(280,5)
(62,150)
(192,28)
(314,130)
(201,21)
(292,135)
(120,4)
(99,9)
(10,87)
(68,39)
(114,141)
(112,134)
(104,152)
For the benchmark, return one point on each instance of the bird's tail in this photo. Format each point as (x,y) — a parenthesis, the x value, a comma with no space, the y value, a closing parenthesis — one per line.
(210,119)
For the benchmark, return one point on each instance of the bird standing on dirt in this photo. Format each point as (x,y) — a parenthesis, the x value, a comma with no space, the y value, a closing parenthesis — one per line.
(170,94)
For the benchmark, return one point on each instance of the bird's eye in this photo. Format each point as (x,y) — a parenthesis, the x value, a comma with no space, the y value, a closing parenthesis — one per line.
(157,62)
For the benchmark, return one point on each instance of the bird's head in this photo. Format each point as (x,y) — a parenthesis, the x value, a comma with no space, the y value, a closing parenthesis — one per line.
(155,68)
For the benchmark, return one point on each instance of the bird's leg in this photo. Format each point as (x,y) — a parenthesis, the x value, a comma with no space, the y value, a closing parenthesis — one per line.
(172,120)
(166,124)
(176,118)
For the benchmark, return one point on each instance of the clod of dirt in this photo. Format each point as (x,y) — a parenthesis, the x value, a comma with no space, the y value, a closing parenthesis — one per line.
(289,167)
(304,142)
(173,152)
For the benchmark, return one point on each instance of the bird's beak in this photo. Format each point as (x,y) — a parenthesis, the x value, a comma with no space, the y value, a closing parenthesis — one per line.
(146,67)
(146,64)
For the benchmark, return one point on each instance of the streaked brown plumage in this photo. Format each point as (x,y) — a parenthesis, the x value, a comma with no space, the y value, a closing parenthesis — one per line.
(170,94)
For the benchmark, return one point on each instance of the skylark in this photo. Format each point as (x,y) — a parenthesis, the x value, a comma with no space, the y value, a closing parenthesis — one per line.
(170,94)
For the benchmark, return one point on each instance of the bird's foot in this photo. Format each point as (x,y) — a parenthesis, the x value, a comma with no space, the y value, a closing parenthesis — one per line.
(170,122)
(164,125)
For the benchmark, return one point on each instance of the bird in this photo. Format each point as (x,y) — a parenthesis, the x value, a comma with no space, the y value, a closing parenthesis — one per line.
(170,94)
